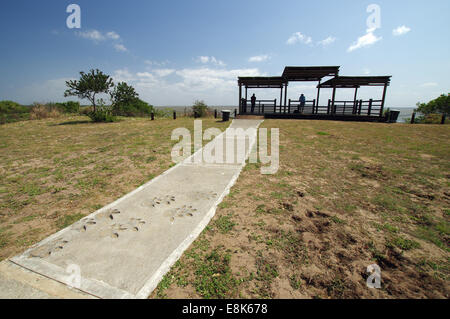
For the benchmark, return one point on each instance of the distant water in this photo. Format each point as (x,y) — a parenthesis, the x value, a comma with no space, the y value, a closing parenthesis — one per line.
(405,113)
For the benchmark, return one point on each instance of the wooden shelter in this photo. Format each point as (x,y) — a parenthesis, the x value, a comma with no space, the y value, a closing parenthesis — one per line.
(293,108)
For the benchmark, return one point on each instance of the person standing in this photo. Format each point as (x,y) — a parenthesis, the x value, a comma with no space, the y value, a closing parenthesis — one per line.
(253,99)
(302,102)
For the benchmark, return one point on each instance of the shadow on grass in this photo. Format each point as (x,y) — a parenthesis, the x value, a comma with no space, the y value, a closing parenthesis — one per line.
(74,122)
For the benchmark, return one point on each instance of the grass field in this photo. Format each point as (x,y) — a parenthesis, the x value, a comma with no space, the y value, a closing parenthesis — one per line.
(54,172)
(347,195)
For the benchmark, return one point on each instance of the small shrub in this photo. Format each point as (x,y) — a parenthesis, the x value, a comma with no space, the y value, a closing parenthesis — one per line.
(101,115)
(200,108)
(69,107)
(12,112)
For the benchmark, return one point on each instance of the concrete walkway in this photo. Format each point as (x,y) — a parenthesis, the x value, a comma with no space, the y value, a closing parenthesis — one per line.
(124,249)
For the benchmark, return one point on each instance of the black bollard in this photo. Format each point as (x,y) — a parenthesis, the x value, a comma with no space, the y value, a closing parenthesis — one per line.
(235,113)
(215,114)
(413,117)
(443,119)
(174,115)
(153,116)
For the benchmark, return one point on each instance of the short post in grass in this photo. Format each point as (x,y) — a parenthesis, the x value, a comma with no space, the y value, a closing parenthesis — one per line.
(174,115)
(215,114)
(152,116)
(413,117)
(443,119)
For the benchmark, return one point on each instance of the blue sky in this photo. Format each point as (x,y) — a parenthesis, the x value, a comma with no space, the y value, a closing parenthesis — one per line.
(174,52)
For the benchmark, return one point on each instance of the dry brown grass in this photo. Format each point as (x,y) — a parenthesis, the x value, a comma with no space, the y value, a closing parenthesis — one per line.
(43,111)
(347,195)
(55,171)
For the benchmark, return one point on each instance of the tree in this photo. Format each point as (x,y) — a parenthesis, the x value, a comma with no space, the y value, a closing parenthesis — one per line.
(123,94)
(126,102)
(438,105)
(89,85)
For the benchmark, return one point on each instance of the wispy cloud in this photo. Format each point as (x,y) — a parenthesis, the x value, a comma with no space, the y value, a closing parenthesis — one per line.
(299,37)
(327,41)
(120,47)
(93,35)
(259,58)
(113,35)
(429,84)
(98,36)
(401,30)
(210,59)
(365,41)
(163,72)
(156,63)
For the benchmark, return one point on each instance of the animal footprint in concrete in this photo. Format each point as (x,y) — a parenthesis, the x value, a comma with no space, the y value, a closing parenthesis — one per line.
(133,224)
(181,212)
(48,249)
(108,215)
(164,200)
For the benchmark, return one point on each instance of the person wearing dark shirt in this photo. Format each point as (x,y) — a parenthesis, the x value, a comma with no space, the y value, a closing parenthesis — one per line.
(253,102)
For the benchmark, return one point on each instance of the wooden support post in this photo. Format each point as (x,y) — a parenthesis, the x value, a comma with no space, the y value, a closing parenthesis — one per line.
(354,101)
(370,107)
(281,96)
(360,107)
(275,106)
(174,115)
(314,106)
(246,96)
(289,107)
(443,119)
(318,93)
(413,117)
(240,97)
(285,95)
(332,103)
(328,108)
(383,99)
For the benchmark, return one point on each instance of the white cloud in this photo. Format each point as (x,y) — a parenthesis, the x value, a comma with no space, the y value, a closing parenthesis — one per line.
(429,84)
(113,35)
(299,37)
(364,41)
(259,58)
(210,59)
(366,71)
(120,47)
(401,30)
(94,35)
(327,41)
(163,72)
(98,36)
(156,63)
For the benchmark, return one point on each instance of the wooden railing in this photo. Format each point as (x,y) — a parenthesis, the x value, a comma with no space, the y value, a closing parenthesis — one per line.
(358,107)
(261,106)
(294,106)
